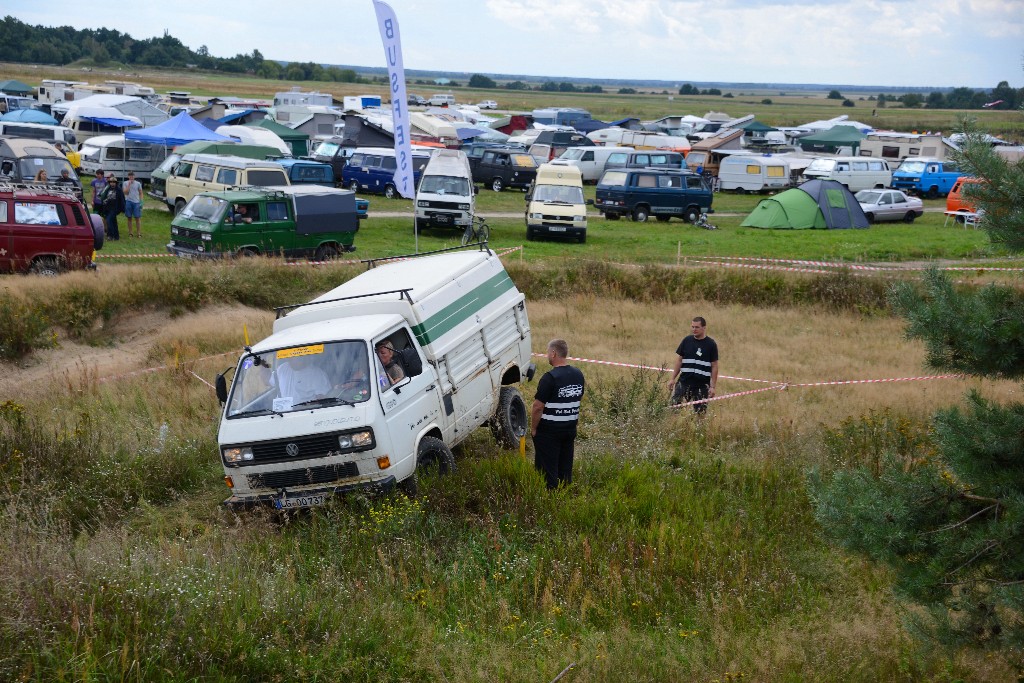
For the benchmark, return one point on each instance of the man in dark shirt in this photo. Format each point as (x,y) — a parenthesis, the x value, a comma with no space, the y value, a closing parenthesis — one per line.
(696,370)
(555,414)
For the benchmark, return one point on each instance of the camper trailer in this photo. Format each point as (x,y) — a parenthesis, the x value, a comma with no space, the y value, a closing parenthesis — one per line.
(749,173)
(114,154)
(895,147)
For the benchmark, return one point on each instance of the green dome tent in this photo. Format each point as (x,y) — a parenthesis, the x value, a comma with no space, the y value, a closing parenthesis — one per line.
(296,140)
(818,204)
(832,139)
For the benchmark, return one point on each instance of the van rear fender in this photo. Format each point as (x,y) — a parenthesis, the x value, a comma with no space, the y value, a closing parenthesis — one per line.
(511,375)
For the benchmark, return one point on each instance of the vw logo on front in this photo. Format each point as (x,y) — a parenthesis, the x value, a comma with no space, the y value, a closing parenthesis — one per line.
(292,449)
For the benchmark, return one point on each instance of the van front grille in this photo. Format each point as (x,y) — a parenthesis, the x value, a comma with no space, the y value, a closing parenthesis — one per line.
(452,206)
(303,477)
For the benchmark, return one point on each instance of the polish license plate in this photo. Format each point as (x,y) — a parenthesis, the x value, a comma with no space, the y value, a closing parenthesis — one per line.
(442,220)
(557,228)
(286,503)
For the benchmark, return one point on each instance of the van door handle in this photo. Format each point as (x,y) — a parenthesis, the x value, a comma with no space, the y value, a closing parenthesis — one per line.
(430,388)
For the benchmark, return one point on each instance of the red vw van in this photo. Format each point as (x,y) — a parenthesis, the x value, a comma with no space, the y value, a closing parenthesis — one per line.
(45,230)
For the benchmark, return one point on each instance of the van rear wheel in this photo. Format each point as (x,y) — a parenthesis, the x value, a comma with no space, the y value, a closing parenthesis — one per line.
(47,267)
(691,215)
(509,422)
(640,214)
(390,191)
(497,185)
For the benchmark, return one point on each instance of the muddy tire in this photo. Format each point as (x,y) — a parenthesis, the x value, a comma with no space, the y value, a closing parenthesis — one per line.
(510,419)
(432,455)
(47,267)
(326,252)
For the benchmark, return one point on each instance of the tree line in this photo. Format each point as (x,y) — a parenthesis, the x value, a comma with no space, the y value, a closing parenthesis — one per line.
(26,44)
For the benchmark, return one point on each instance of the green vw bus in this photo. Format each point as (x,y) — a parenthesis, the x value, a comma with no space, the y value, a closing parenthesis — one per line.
(293,222)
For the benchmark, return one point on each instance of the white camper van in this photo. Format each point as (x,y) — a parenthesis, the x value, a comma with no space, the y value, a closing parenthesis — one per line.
(114,154)
(555,204)
(857,173)
(749,173)
(377,379)
(446,194)
(590,160)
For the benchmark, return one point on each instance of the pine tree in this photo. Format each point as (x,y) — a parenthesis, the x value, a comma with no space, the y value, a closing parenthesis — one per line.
(951,521)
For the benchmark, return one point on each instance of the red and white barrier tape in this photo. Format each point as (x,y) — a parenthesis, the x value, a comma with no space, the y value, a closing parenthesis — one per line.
(133,255)
(855,266)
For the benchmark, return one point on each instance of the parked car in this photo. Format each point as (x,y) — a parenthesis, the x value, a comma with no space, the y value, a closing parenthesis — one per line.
(46,230)
(501,168)
(416,100)
(307,172)
(488,104)
(373,169)
(643,192)
(889,205)
(955,199)
(303,220)
(441,100)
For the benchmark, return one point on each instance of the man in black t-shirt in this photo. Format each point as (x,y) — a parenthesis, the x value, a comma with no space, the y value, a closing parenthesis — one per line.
(696,371)
(555,414)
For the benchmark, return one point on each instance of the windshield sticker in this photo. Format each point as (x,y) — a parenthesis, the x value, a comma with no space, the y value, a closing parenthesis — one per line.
(301,351)
(283,404)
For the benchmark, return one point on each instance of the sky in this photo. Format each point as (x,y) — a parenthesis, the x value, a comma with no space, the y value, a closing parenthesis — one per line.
(975,43)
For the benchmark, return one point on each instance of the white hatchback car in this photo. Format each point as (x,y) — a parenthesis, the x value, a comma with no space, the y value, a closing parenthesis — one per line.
(488,104)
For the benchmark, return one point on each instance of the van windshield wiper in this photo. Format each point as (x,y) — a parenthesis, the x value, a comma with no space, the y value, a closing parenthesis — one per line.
(255,413)
(327,401)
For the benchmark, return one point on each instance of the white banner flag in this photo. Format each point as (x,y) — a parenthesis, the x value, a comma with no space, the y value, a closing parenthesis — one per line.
(392,39)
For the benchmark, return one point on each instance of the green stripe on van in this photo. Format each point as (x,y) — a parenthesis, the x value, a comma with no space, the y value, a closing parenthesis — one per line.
(457,312)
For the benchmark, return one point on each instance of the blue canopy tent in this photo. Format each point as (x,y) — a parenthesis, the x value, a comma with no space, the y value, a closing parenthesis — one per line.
(29,116)
(179,130)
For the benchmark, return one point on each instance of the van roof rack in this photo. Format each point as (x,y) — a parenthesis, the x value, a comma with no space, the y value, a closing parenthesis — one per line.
(60,190)
(373,262)
(284,310)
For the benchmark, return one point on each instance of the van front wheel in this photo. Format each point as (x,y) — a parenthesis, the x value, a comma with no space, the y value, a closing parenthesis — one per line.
(326,252)
(640,214)
(691,215)
(433,455)
(390,191)
(179,206)
(497,185)
(47,267)
(354,186)
(932,192)
(509,422)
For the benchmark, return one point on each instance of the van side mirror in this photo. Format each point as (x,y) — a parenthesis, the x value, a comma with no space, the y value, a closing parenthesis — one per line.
(221,386)
(589,202)
(476,189)
(411,362)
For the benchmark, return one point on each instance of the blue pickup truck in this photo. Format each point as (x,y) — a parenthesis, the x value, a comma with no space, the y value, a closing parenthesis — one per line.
(643,192)
(926,176)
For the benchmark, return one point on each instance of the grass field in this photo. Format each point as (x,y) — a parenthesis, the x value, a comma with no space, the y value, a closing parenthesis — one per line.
(685,550)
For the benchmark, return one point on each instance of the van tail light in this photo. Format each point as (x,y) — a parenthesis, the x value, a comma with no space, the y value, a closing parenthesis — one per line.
(551,154)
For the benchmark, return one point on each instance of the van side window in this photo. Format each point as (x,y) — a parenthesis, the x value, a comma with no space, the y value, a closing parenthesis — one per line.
(227,176)
(617,158)
(587,156)
(670,181)
(859,165)
(183,170)
(3,212)
(949,167)
(373,161)
(694,183)
(389,164)
(643,160)
(266,177)
(204,173)
(79,219)
(645,180)
(875,166)
(842,167)
(277,211)
(398,340)
(356,160)
(31,213)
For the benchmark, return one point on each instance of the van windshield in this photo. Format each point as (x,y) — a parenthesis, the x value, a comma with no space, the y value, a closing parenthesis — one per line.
(558,194)
(443,184)
(301,378)
(823,165)
(614,178)
(909,166)
(524,160)
(171,160)
(202,208)
(572,153)
(30,167)
(326,149)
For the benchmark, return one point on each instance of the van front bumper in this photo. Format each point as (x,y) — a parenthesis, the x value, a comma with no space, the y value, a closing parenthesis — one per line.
(190,253)
(556,229)
(385,485)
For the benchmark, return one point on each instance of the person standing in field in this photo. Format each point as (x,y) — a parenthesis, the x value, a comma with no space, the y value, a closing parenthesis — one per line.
(555,414)
(132,190)
(696,369)
(98,184)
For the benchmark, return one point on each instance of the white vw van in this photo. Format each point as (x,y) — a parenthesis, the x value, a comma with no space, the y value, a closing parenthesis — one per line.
(590,160)
(377,379)
(857,173)
(446,195)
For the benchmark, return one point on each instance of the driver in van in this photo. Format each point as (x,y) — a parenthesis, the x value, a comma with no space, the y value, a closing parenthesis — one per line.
(240,214)
(392,368)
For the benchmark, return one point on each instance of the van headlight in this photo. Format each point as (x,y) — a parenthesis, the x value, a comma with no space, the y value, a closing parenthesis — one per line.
(174,230)
(356,440)
(537,216)
(463,207)
(207,236)
(423,203)
(579,219)
(237,454)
